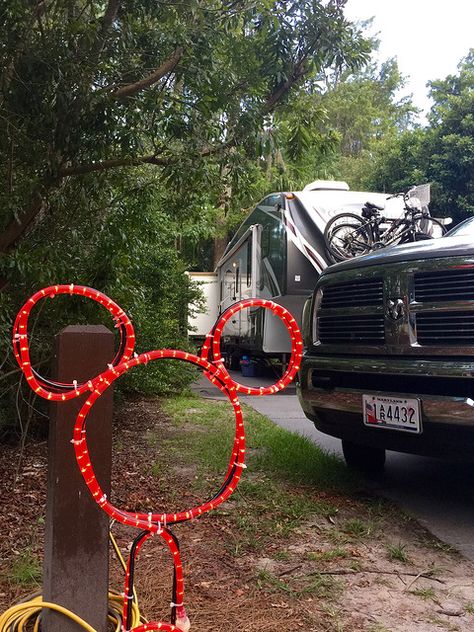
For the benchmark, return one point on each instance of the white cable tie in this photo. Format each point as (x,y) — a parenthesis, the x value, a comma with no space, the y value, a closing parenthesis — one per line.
(242,465)
(135,354)
(74,383)
(77,441)
(90,385)
(124,596)
(102,499)
(159,530)
(176,605)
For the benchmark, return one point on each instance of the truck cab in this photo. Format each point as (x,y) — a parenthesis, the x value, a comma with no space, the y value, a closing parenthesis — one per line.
(389,351)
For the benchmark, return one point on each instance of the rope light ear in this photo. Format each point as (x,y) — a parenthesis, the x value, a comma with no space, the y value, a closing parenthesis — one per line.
(212,365)
(213,344)
(59,391)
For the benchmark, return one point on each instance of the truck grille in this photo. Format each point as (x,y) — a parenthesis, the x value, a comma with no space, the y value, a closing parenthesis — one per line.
(445,285)
(414,308)
(354,329)
(445,328)
(355,294)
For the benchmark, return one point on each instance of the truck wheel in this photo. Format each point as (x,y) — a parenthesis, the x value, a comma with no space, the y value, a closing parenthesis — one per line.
(363,458)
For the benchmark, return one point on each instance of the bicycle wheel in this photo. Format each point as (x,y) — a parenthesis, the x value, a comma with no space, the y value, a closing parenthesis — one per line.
(347,241)
(343,219)
(425,228)
(429,228)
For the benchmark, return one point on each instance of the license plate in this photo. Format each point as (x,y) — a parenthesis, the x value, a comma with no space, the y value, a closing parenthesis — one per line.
(396,413)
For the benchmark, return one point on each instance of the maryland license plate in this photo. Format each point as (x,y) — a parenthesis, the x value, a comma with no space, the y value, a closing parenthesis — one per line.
(396,413)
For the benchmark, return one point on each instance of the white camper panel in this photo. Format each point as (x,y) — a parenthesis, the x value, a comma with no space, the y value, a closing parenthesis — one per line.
(276,338)
(200,323)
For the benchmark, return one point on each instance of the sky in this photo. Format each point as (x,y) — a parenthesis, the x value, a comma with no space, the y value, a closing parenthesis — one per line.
(428,37)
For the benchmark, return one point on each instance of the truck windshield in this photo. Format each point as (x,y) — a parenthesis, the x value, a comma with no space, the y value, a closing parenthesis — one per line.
(464,229)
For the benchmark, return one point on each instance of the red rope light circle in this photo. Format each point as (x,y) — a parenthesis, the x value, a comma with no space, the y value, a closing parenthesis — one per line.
(58,391)
(154,521)
(213,344)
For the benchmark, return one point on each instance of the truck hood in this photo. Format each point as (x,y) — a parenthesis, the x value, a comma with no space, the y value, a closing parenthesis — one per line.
(429,249)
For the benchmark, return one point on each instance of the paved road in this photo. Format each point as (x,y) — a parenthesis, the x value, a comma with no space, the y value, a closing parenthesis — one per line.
(439,494)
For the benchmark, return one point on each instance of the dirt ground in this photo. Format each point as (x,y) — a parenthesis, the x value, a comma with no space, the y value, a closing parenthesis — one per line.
(364,567)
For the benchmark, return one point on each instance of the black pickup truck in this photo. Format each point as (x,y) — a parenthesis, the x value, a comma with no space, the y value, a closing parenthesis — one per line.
(389,351)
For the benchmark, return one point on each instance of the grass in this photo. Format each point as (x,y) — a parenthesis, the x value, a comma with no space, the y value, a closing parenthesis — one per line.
(25,569)
(295,506)
(445,625)
(329,555)
(397,552)
(269,448)
(321,586)
(427,594)
(357,528)
(276,459)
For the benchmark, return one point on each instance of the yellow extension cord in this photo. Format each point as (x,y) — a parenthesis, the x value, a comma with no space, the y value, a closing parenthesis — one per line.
(17,617)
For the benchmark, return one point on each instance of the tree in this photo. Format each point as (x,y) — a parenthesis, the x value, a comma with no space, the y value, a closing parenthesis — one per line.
(449,144)
(118,121)
(442,153)
(88,91)
(366,112)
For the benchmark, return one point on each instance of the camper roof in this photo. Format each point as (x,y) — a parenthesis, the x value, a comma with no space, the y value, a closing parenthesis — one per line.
(327,185)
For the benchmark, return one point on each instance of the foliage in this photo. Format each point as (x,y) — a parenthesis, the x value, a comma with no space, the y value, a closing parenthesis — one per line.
(335,129)
(122,127)
(442,153)
(449,144)
(366,112)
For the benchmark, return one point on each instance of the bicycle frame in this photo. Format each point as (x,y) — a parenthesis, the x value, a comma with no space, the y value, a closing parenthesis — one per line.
(391,235)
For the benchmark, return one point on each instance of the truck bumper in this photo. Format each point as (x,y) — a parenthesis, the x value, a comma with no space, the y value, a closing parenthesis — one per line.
(330,392)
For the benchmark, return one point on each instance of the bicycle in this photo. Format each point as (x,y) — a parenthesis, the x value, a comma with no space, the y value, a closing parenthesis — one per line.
(348,235)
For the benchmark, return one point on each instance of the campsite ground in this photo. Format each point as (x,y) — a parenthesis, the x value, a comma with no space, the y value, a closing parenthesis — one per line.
(300,545)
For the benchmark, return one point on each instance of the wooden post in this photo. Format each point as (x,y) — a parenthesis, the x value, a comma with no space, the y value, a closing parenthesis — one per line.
(75,570)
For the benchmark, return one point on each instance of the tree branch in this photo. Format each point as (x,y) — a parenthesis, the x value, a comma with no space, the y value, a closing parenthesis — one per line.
(299,71)
(351,571)
(135,161)
(166,67)
(17,227)
(112,163)
(109,16)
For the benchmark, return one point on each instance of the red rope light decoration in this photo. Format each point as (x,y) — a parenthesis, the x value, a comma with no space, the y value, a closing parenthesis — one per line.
(212,365)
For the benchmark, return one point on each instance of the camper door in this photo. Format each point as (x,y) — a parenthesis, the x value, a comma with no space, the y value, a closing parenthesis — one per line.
(237,283)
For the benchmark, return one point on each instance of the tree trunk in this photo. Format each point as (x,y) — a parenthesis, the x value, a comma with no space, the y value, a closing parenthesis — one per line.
(221,238)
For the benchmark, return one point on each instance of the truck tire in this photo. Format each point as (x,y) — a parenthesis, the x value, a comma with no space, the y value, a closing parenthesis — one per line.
(363,458)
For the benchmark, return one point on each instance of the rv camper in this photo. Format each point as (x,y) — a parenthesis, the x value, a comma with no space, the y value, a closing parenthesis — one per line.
(277,253)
